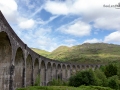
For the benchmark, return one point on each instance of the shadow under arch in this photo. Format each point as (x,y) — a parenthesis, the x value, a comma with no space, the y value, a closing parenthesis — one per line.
(5,60)
(43,73)
(49,73)
(19,65)
(68,72)
(64,72)
(59,73)
(54,73)
(29,70)
(36,72)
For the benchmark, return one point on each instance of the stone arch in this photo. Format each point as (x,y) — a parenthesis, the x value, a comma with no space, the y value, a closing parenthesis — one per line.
(5,59)
(87,67)
(18,72)
(68,72)
(36,71)
(49,72)
(43,73)
(29,70)
(63,72)
(54,71)
(78,67)
(73,69)
(59,73)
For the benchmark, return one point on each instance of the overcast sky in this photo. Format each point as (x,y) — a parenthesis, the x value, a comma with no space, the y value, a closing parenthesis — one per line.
(48,24)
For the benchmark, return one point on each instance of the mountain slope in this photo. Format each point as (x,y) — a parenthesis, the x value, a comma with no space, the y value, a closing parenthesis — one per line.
(87,53)
(41,52)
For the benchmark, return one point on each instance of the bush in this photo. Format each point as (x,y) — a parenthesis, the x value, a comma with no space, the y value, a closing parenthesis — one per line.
(113,82)
(83,78)
(101,78)
(58,82)
(110,70)
(37,81)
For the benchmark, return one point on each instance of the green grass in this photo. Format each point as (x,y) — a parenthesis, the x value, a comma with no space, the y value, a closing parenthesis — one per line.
(85,53)
(41,52)
(65,88)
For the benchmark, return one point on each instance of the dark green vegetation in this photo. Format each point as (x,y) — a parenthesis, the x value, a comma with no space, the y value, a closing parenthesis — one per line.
(66,88)
(106,76)
(85,53)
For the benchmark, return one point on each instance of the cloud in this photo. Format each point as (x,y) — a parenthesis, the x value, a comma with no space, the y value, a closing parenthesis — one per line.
(56,8)
(113,37)
(9,9)
(94,40)
(90,11)
(27,24)
(76,28)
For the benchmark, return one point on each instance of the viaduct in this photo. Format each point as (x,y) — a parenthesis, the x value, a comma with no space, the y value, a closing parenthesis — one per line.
(19,65)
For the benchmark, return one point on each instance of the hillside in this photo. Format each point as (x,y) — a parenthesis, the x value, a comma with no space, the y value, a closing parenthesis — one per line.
(87,53)
(41,52)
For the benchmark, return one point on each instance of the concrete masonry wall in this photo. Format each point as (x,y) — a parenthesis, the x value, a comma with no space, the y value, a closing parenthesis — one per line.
(20,66)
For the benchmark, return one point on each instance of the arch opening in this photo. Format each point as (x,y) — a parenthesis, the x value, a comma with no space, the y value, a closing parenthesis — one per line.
(43,74)
(63,72)
(68,72)
(18,74)
(36,72)
(5,59)
(29,70)
(49,73)
(54,76)
(73,69)
(59,73)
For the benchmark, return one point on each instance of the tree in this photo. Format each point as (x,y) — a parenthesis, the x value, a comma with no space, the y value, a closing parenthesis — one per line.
(110,70)
(83,78)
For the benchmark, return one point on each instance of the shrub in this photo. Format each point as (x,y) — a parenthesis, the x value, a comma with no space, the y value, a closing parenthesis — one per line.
(113,82)
(37,81)
(58,82)
(110,70)
(83,78)
(101,78)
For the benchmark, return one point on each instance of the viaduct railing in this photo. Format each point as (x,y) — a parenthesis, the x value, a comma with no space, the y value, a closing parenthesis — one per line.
(20,66)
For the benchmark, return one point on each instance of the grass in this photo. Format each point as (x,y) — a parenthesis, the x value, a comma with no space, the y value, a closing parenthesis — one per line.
(85,53)
(65,88)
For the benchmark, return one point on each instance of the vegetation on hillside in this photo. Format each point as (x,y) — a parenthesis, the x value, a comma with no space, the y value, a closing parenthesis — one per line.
(41,52)
(85,53)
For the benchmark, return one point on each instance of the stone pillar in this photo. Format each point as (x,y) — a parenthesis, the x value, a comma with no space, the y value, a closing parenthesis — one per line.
(11,77)
(32,76)
(45,82)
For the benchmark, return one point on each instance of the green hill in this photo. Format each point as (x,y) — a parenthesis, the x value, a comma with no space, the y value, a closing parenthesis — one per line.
(87,53)
(41,52)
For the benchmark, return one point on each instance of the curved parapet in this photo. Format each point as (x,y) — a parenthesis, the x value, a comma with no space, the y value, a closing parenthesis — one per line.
(21,67)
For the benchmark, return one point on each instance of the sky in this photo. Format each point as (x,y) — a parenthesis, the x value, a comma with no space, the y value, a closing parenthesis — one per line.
(48,24)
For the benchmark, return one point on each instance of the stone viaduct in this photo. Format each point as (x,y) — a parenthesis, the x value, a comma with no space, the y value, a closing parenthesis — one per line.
(20,66)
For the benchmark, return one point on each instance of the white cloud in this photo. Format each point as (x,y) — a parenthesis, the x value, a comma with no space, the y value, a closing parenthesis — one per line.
(27,24)
(108,23)
(90,11)
(76,28)
(56,7)
(94,40)
(113,37)
(9,9)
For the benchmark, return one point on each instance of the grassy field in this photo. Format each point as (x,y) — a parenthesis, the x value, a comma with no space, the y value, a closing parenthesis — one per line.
(65,88)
